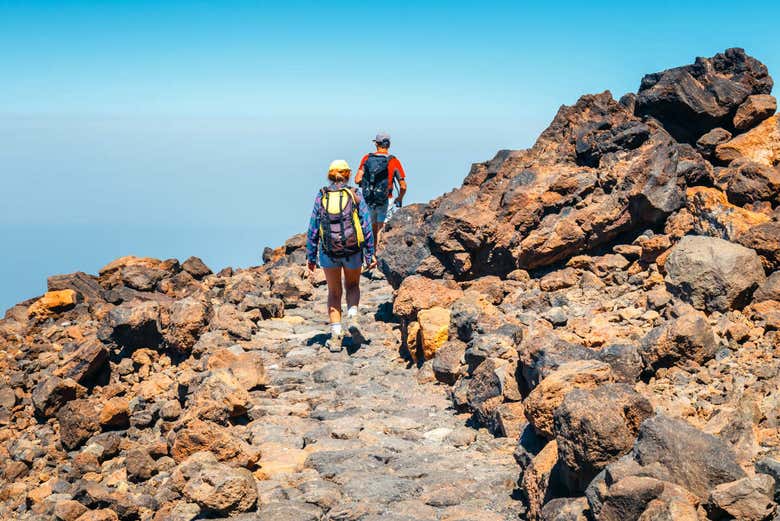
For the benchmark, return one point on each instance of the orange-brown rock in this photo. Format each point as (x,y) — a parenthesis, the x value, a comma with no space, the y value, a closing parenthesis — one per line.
(417,293)
(53,302)
(541,403)
(247,367)
(198,436)
(714,216)
(536,479)
(115,412)
(760,145)
(434,329)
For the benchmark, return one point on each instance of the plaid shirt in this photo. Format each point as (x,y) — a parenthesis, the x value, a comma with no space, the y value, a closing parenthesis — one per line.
(313,234)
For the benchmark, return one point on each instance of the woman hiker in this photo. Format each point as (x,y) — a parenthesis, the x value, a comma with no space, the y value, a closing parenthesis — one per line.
(340,240)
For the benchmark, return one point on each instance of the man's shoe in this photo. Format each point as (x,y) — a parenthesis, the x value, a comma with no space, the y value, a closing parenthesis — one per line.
(334,342)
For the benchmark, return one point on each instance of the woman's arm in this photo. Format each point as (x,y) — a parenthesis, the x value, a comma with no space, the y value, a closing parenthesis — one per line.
(313,234)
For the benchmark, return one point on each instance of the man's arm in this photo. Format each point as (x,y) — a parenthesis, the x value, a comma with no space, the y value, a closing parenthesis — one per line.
(399,176)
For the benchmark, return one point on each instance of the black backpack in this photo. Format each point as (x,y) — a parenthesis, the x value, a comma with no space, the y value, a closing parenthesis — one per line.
(376,177)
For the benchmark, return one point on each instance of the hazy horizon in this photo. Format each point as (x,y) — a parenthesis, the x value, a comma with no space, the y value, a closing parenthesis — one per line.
(189,129)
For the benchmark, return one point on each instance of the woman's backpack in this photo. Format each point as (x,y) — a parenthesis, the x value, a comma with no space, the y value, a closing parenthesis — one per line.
(340,230)
(376,178)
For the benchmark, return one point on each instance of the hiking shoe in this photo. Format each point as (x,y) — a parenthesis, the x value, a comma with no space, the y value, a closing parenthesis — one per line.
(334,343)
(354,331)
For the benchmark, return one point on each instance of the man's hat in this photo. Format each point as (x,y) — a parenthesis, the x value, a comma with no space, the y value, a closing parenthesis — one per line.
(382,139)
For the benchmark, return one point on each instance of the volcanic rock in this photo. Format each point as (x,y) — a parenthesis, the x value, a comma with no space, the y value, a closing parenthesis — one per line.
(541,403)
(692,100)
(594,427)
(713,274)
(760,145)
(754,110)
(765,240)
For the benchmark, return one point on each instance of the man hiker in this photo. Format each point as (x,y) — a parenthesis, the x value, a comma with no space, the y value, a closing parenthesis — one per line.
(378,173)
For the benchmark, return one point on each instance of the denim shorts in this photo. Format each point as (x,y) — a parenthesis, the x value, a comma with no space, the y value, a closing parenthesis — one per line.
(378,213)
(352,262)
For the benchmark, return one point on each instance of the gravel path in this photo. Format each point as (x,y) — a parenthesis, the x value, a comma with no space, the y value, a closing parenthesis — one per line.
(359,435)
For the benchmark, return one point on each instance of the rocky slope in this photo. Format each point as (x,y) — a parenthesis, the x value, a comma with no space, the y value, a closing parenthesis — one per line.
(609,297)
(585,330)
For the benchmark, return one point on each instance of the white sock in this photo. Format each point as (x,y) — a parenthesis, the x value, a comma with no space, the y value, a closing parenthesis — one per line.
(352,312)
(335,329)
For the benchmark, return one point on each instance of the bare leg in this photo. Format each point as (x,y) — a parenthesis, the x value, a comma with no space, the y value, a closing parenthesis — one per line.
(377,229)
(333,278)
(352,283)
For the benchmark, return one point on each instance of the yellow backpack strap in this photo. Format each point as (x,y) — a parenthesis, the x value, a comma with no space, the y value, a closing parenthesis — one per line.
(356,218)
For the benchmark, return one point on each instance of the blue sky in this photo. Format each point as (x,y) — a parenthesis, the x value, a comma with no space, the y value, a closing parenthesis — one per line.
(203,128)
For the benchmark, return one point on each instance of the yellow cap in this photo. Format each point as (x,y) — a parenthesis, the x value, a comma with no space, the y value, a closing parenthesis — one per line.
(339,164)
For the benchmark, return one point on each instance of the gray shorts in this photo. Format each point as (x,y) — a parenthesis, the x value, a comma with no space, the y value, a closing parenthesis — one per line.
(378,213)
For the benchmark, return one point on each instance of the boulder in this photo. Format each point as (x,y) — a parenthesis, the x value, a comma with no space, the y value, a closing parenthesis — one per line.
(628,498)
(759,145)
(291,285)
(78,420)
(685,455)
(216,487)
(142,278)
(230,319)
(267,306)
(541,403)
(134,325)
(417,293)
(54,302)
(748,499)
(538,484)
(747,182)
(765,240)
(690,101)
(434,330)
(714,216)
(113,274)
(86,364)
(770,289)
(219,398)
(448,363)
(707,143)
(595,427)
(196,267)
(542,352)
(754,110)
(250,282)
(139,465)
(183,322)
(565,509)
(713,274)
(247,367)
(52,393)
(115,412)
(489,385)
(200,435)
(85,285)
(688,337)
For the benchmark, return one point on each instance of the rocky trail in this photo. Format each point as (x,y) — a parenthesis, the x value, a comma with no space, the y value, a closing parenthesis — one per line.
(360,435)
(586,330)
